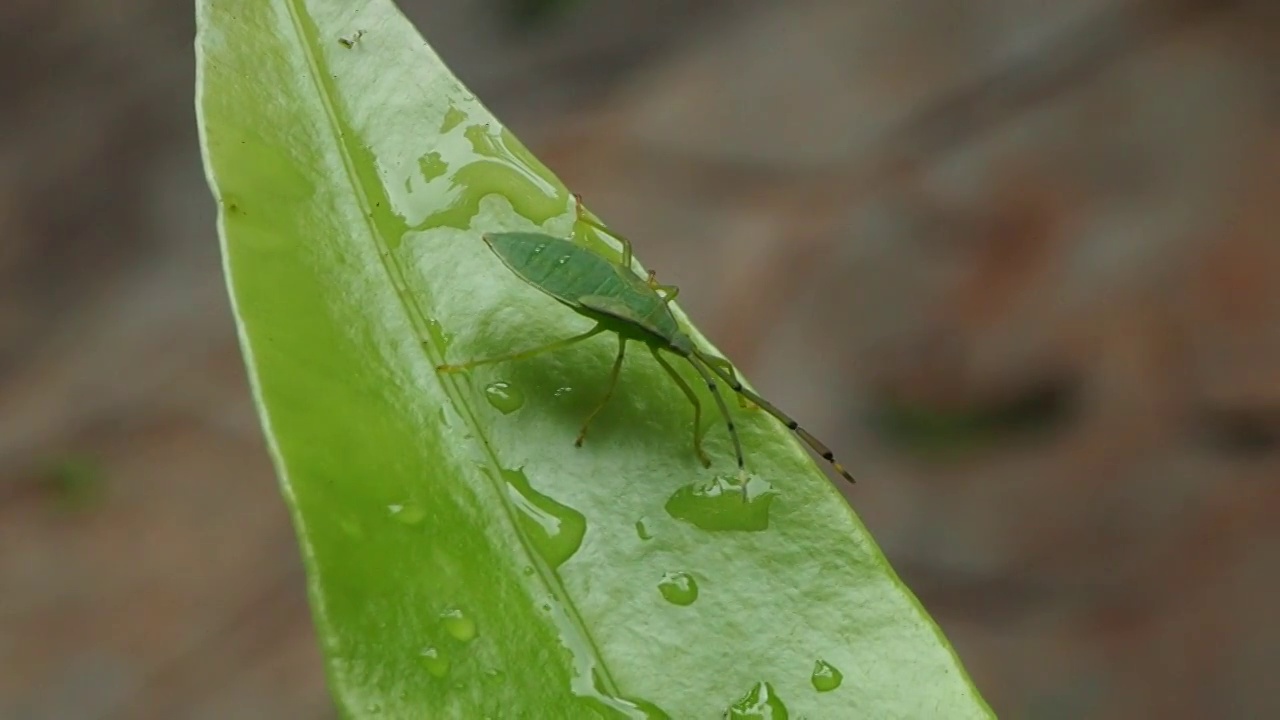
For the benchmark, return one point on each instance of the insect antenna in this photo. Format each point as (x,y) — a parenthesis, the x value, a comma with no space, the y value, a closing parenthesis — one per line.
(814,443)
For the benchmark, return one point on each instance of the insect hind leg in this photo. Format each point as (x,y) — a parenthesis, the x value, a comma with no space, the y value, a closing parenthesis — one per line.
(808,438)
(608,393)
(727,368)
(693,398)
(694,360)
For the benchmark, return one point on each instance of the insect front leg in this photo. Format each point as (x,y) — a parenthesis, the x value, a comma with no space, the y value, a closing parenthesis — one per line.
(581,210)
(669,292)
(693,398)
(557,345)
(613,383)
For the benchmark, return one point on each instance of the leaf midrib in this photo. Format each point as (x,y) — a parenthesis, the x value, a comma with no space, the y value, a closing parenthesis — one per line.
(596,668)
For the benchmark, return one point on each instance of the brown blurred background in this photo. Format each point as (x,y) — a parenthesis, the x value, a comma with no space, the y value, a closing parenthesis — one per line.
(1016,260)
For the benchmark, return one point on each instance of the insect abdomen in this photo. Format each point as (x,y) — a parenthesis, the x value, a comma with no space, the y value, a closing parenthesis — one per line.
(568,273)
(555,266)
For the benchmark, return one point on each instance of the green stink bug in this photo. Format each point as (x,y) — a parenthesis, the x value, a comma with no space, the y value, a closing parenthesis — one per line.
(633,308)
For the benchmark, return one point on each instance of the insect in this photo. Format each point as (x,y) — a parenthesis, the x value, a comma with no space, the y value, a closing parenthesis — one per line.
(633,308)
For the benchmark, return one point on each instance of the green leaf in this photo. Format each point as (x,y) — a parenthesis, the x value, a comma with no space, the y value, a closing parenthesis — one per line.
(464,559)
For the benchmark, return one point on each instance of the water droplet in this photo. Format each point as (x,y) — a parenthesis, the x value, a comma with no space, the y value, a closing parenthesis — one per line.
(563,259)
(561,392)
(760,703)
(482,140)
(409,513)
(458,625)
(493,674)
(721,504)
(678,588)
(373,708)
(540,247)
(432,166)
(643,531)
(825,676)
(504,396)
(453,117)
(555,529)
(435,663)
(528,570)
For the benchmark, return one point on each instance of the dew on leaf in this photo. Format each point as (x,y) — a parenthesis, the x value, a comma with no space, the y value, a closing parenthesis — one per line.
(457,624)
(504,396)
(825,676)
(436,663)
(408,513)
(760,703)
(432,166)
(724,503)
(555,529)
(678,588)
(643,531)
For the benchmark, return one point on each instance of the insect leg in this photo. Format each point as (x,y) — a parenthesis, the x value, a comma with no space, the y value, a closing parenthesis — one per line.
(695,361)
(669,292)
(693,398)
(727,366)
(613,383)
(557,345)
(786,419)
(582,218)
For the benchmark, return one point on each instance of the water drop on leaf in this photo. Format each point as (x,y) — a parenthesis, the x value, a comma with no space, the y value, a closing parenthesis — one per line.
(435,663)
(722,504)
(760,703)
(407,513)
(458,625)
(678,588)
(504,396)
(555,529)
(825,676)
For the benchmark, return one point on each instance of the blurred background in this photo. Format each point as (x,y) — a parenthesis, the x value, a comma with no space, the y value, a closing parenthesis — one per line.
(1017,261)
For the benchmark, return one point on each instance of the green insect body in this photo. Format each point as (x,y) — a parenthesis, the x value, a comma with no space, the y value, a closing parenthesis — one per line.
(634,309)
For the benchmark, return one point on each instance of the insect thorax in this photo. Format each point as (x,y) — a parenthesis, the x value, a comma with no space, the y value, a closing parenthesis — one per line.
(681,344)
(629,328)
